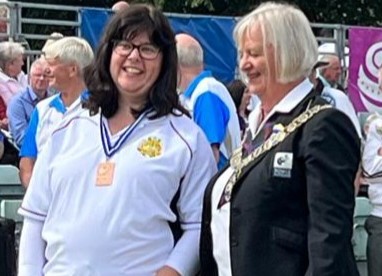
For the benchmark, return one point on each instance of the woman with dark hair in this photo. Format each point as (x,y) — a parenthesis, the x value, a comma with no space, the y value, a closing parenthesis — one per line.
(104,193)
(241,97)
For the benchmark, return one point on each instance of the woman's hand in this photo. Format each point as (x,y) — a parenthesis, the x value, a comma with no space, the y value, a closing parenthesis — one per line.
(167,271)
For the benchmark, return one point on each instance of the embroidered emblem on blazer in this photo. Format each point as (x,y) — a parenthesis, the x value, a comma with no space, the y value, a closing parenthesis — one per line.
(151,147)
(282,164)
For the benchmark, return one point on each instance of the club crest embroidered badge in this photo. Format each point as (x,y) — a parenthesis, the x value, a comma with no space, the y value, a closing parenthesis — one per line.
(151,147)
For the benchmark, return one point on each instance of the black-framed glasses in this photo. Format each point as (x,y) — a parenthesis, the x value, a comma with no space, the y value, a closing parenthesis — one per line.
(146,51)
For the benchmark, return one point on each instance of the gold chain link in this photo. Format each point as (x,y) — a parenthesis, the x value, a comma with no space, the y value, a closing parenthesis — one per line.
(238,163)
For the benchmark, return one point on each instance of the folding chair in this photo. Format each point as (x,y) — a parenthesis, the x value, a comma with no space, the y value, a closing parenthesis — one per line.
(9,207)
(10,184)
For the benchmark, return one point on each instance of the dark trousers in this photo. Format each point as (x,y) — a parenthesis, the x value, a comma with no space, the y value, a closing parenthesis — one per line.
(374,245)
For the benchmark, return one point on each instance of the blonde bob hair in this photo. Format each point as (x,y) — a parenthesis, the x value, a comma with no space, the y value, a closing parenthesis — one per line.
(287,30)
(70,49)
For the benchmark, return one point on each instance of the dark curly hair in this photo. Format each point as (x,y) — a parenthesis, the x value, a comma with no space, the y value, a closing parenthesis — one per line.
(127,24)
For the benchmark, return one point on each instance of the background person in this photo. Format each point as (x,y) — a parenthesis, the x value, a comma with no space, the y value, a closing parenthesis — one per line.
(330,75)
(66,59)
(372,176)
(53,37)
(119,6)
(207,99)
(139,150)
(12,78)
(241,97)
(335,97)
(285,205)
(21,106)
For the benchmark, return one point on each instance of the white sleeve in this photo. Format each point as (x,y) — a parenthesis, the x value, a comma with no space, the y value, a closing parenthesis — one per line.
(185,256)
(346,107)
(37,198)
(32,248)
(371,161)
(343,104)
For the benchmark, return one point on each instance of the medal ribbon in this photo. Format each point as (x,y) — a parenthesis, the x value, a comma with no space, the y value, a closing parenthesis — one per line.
(109,148)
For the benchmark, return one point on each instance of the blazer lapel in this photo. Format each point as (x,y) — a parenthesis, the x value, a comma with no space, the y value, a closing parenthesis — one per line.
(284,119)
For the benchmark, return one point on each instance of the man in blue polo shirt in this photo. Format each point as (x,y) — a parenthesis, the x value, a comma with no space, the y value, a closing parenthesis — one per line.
(207,99)
(21,106)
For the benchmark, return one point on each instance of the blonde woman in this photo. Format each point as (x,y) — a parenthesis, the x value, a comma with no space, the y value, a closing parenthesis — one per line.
(285,204)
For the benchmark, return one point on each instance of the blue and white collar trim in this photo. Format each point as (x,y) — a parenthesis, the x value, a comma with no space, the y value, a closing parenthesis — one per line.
(191,87)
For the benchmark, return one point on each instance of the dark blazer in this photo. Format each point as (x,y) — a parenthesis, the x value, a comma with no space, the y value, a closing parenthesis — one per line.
(297,225)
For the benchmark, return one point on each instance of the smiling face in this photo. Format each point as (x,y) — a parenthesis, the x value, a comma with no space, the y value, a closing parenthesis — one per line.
(256,62)
(133,75)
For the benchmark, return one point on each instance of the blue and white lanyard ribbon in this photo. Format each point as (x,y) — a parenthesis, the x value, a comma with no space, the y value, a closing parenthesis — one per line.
(111,148)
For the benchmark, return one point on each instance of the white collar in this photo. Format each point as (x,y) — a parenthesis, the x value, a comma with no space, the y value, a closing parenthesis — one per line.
(5,78)
(286,105)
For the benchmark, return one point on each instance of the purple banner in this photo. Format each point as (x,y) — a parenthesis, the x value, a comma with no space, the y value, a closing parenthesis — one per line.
(365,59)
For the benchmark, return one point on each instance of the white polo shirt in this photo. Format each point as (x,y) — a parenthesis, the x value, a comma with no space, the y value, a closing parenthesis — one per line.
(44,119)
(121,229)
